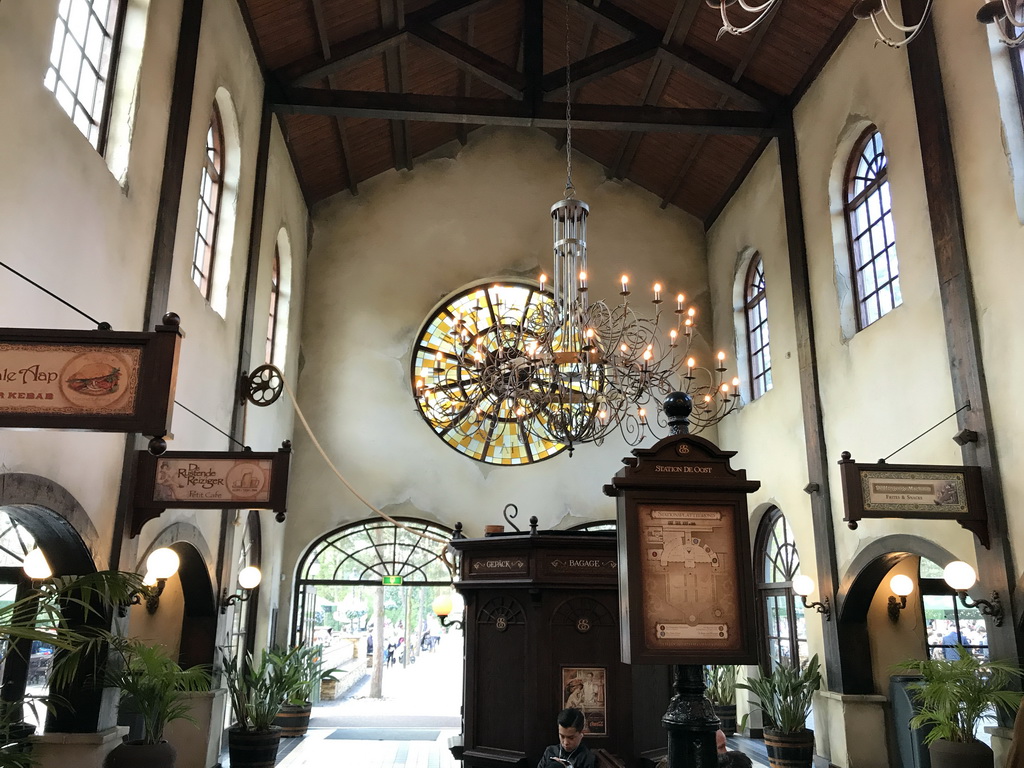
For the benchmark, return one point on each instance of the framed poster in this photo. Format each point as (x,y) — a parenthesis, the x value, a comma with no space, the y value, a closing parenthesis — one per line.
(585,689)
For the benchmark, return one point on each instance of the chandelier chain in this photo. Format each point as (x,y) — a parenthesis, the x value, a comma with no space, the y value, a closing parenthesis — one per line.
(569,188)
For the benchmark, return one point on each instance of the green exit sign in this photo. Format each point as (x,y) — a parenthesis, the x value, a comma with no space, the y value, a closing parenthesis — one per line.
(392,581)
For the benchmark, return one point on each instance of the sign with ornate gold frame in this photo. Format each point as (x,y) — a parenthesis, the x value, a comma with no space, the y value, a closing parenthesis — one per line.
(105,381)
(915,492)
(209,480)
(685,576)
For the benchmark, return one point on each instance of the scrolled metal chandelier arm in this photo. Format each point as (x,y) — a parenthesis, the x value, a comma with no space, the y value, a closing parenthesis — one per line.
(761,11)
(1003,15)
(872,9)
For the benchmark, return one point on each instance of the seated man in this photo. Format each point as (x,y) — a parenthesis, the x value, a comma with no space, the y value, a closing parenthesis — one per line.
(570,749)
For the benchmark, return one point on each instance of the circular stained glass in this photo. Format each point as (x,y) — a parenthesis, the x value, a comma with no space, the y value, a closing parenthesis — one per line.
(467,405)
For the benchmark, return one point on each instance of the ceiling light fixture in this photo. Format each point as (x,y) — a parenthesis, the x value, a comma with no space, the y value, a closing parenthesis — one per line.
(1004,15)
(865,9)
(559,367)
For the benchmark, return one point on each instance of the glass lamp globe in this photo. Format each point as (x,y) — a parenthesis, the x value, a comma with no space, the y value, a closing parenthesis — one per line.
(163,563)
(901,585)
(959,575)
(249,577)
(149,580)
(35,565)
(803,585)
(442,605)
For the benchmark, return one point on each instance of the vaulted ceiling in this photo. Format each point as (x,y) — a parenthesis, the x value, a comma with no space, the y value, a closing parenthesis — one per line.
(657,97)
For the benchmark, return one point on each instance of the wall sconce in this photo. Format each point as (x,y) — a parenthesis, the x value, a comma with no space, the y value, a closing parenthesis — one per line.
(442,606)
(961,577)
(901,586)
(35,565)
(803,586)
(160,566)
(248,579)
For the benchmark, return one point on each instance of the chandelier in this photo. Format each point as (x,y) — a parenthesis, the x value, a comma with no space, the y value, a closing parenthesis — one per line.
(555,366)
(1008,18)
(882,19)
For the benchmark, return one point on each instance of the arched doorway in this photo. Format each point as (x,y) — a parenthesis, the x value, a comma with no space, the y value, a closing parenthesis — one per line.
(36,512)
(780,615)
(347,600)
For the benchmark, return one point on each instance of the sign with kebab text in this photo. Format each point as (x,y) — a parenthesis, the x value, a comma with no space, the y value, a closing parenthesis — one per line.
(209,480)
(106,381)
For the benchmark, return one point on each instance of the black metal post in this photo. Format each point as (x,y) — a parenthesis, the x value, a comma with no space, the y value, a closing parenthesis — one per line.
(690,720)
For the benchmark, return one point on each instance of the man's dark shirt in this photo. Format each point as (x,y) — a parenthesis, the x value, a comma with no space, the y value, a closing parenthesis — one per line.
(581,757)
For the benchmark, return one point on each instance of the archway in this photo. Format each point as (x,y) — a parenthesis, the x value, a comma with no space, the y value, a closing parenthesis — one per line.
(36,512)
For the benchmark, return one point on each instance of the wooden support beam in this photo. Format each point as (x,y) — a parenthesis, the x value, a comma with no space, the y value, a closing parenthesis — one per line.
(393,17)
(450,109)
(601,64)
(469,59)
(533,52)
(321,28)
(346,150)
(810,396)
(465,82)
(996,569)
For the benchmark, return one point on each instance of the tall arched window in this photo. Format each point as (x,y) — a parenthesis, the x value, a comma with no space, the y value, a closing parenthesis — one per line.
(85,47)
(755,310)
(872,238)
(275,298)
(243,624)
(211,189)
(776,562)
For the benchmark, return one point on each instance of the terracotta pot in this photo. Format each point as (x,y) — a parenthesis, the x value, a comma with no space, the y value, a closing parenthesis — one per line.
(789,750)
(294,719)
(960,754)
(253,749)
(135,754)
(727,715)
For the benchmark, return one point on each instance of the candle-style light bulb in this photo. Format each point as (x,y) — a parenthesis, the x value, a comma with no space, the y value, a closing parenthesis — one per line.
(642,415)
(657,291)
(625,283)
(690,362)
(673,336)
(583,280)
(679,302)
(721,357)
(543,281)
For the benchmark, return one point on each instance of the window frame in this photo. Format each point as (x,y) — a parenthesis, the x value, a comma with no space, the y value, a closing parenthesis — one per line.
(760,383)
(274,305)
(102,117)
(1017,68)
(851,204)
(769,590)
(213,170)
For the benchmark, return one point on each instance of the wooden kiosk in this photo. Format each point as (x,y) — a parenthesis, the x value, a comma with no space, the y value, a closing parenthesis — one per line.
(542,633)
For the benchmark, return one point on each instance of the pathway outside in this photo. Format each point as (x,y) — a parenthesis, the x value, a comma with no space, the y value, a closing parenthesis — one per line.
(408,728)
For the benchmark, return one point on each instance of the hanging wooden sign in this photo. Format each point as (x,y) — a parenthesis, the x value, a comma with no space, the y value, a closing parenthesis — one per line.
(209,480)
(915,492)
(104,381)
(685,579)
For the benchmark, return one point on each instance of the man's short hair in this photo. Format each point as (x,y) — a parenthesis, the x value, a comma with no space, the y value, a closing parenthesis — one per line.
(571,718)
(733,759)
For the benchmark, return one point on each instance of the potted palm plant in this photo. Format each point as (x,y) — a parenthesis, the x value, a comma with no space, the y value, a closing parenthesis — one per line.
(785,699)
(41,616)
(298,669)
(952,697)
(721,689)
(257,692)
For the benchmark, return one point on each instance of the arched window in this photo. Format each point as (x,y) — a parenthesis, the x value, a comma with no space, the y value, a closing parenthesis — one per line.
(243,624)
(275,298)
(362,554)
(86,40)
(755,310)
(776,562)
(211,188)
(872,238)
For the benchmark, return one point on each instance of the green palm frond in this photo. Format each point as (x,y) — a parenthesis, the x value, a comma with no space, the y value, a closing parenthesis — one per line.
(955,694)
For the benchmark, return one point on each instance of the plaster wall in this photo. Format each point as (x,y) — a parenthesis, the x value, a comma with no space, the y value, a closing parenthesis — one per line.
(382,261)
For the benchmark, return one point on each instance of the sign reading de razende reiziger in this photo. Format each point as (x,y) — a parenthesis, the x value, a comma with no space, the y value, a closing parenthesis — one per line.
(106,381)
(209,480)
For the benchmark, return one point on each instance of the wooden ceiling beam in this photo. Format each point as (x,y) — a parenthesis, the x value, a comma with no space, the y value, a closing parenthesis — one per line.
(321,28)
(602,64)
(678,27)
(454,109)
(346,149)
(392,14)
(485,68)
(365,46)
(465,81)
(533,52)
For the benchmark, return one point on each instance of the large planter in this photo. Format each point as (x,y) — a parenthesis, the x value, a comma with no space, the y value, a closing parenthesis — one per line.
(727,715)
(253,749)
(789,750)
(294,719)
(135,754)
(960,754)
(328,689)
